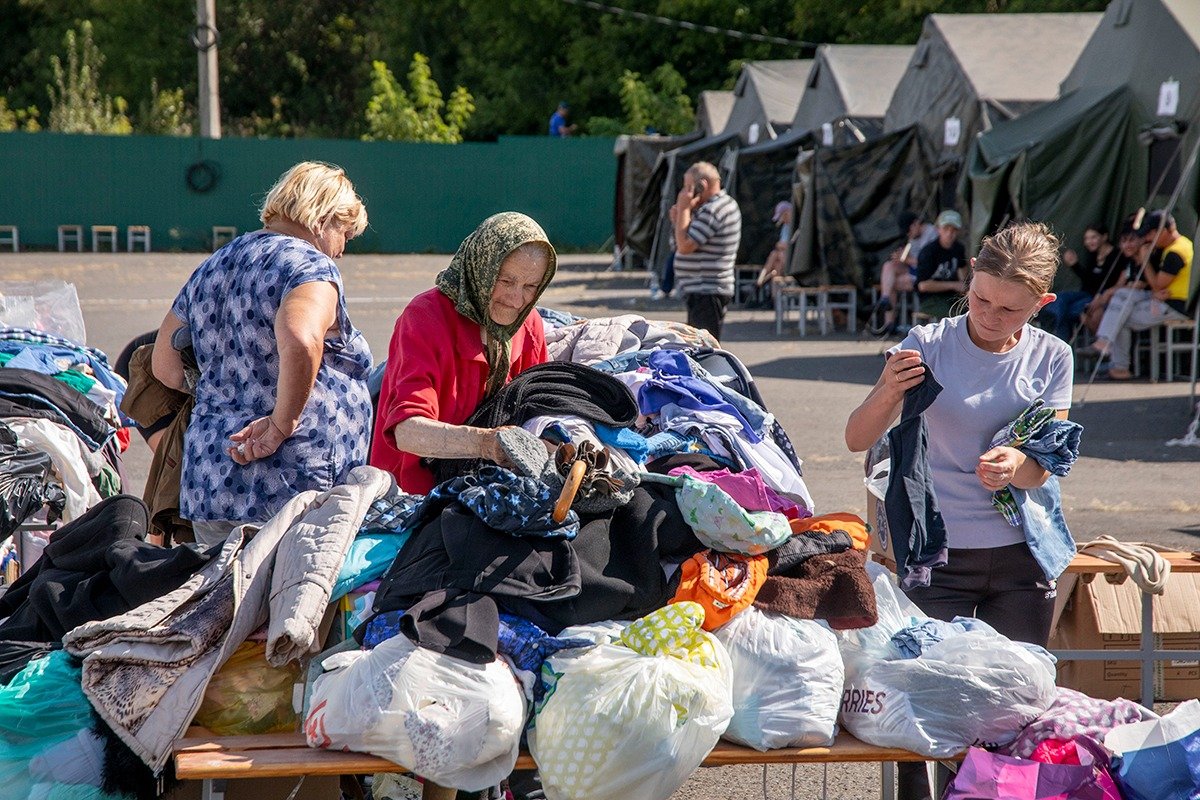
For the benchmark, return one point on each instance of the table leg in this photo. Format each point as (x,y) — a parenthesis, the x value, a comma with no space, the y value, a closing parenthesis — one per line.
(887,781)
(213,789)
(1146,653)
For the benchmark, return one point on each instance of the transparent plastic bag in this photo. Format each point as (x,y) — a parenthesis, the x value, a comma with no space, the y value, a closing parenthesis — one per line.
(249,696)
(455,723)
(618,725)
(976,688)
(48,306)
(787,681)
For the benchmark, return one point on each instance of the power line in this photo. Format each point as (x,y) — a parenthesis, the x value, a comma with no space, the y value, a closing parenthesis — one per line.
(689,26)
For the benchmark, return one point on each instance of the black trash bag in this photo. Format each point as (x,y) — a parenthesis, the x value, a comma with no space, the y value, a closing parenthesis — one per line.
(25,484)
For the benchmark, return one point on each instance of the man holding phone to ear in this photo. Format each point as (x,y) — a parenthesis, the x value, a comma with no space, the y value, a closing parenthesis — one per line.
(708,229)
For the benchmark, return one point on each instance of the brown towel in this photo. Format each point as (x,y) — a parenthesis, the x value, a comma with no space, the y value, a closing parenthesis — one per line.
(833,587)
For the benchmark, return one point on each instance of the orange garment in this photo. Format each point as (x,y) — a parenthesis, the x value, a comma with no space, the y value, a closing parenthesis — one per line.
(852,524)
(722,583)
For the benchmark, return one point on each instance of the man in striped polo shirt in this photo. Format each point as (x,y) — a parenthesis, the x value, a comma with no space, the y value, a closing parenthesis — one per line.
(708,228)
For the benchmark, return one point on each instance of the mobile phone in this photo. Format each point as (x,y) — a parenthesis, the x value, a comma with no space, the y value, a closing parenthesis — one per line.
(698,188)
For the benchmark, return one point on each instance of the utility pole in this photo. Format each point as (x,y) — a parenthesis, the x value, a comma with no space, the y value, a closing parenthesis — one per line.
(205,39)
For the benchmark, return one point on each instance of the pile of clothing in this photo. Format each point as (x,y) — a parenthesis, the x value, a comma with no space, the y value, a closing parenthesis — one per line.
(61,433)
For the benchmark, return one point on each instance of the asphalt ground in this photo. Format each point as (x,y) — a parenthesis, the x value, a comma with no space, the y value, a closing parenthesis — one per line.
(1127,483)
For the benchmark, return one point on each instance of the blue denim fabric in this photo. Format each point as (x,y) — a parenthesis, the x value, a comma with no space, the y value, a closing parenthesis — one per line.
(1063,314)
(1056,446)
(911,642)
(1045,527)
(556,318)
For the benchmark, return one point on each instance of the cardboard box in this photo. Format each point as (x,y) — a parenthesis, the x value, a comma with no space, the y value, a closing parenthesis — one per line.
(1099,615)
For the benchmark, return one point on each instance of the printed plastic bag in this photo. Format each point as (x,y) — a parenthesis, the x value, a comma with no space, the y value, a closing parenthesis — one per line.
(619,725)
(992,776)
(1159,759)
(787,681)
(976,688)
(249,696)
(456,723)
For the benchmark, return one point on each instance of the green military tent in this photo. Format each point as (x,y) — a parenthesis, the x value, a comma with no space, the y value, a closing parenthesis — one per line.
(846,94)
(1068,163)
(636,159)
(848,199)
(970,71)
(712,111)
(766,96)
(1153,47)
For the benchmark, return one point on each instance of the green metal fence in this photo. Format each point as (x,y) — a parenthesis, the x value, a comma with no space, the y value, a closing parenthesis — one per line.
(420,197)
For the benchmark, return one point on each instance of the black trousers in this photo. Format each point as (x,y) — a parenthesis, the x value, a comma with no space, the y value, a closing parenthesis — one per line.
(707,311)
(1004,587)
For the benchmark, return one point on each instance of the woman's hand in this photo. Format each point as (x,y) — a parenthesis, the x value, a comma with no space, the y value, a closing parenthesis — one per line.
(998,466)
(490,449)
(903,371)
(261,438)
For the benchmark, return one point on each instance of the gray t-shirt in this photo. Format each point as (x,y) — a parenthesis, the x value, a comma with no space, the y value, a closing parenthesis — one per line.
(982,392)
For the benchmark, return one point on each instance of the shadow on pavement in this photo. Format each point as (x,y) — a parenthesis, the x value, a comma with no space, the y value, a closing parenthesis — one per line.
(1137,429)
(856,369)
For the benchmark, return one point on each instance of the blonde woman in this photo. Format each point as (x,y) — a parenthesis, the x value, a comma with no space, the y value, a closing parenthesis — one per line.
(991,364)
(281,401)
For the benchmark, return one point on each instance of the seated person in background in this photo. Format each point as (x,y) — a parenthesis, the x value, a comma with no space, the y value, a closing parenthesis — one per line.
(942,268)
(1097,270)
(899,273)
(459,342)
(1131,249)
(777,259)
(1167,275)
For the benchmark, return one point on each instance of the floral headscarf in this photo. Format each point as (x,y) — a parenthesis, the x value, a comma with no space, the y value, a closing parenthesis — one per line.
(471,277)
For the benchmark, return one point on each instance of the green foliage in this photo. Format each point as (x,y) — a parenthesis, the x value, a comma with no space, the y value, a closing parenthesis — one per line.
(398,116)
(165,114)
(658,104)
(18,119)
(76,103)
(305,68)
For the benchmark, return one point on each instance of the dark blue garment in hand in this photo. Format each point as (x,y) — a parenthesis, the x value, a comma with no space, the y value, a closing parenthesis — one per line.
(914,519)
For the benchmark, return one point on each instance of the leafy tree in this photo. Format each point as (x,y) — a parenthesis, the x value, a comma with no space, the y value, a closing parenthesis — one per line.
(18,119)
(76,103)
(658,103)
(393,115)
(165,113)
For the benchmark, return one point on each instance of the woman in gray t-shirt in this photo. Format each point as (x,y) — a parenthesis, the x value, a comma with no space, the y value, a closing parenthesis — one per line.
(991,364)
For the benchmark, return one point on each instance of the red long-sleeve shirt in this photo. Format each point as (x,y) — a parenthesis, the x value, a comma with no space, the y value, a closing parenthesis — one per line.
(437,369)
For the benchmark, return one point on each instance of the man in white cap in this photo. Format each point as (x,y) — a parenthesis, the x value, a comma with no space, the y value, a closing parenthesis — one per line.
(942,267)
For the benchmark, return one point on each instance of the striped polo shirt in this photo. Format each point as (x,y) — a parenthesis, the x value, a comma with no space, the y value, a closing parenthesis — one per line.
(717,229)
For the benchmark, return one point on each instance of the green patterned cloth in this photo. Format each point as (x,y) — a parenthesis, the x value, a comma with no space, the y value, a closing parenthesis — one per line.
(1015,434)
(471,276)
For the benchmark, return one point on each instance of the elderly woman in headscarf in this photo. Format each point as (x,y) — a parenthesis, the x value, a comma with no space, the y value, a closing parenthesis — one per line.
(456,344)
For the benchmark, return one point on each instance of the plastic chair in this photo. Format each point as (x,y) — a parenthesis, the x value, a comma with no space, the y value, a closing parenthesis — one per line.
(100,233)
(9,235)
(137,235)
(1172,339)
(70,234)
(222,235)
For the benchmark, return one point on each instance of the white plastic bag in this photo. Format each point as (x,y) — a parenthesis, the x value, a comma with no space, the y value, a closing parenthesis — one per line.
(618,725)
(976,688)
(51,306)
(456,723)
(787,680)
